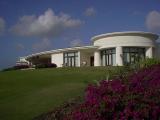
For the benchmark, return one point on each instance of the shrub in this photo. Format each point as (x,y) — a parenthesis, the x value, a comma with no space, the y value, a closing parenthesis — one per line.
(136,99)
(8,69)
(145,63)
(40,66)
(46,65)
(17,67)
(149,62)
(51,65)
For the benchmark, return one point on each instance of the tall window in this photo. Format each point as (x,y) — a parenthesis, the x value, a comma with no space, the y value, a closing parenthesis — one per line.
(108,57)
(70,59)
(132,54)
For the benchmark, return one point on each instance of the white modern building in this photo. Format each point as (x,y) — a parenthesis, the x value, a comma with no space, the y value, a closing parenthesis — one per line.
(118,48)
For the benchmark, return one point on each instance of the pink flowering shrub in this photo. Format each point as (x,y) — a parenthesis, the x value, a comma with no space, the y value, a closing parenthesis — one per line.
(137,98)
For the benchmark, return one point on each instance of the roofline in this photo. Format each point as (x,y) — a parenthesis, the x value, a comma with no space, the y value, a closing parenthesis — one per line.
(61,50)
(134,33)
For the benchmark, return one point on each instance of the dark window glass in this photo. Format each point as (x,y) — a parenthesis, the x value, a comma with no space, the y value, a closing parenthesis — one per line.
(108,57)
(132,54)
(70,59)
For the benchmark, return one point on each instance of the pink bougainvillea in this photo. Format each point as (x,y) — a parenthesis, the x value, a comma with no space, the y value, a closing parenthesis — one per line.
(137,98)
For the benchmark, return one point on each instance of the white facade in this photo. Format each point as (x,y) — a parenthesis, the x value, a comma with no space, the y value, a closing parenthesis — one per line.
(119,53)
(119,40)
(22,61)
(114,49)
(97,58)
(57,58)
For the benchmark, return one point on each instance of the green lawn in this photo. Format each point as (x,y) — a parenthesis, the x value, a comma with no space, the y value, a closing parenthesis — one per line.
(25,94)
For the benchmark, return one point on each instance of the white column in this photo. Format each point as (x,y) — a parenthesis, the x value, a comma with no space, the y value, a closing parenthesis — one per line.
(79,58)
(149,52)
(97,58)
(119,53)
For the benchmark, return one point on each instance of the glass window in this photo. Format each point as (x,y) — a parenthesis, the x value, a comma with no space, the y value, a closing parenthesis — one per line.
(113,50)
(108,57)
(133,54)
(76,53)
(70,54)
(70,59)
(65,55)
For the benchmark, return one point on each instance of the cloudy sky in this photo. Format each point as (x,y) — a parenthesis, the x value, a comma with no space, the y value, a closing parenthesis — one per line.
(30,26)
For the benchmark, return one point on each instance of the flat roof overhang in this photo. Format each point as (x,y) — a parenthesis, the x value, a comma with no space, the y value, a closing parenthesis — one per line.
(128,33)
(46,53)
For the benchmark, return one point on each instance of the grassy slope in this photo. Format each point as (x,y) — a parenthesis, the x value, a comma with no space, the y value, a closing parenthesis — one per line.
(26,94)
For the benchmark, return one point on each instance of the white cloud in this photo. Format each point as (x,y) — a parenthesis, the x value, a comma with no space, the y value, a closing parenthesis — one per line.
(46,25)
(2,26)
(76,43)
(153,21)
(90,11)
(44,44)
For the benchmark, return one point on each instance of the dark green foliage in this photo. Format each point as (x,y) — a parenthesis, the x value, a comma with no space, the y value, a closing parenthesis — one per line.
(144,63)
(148,62)
(17,67)
(46,65)
(8,69)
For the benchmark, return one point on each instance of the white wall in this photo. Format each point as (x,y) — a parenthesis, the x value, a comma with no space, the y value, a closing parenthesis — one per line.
(149,52)
(119,59)
(22,59)
(97,58)
(79,58)
(124,41)
(57,58)
(127,40)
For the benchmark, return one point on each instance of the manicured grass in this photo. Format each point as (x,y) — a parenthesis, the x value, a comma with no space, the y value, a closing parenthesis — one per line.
(25,94)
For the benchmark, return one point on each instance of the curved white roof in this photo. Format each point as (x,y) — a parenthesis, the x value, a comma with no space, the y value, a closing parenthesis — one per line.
(61,50)
(132,33)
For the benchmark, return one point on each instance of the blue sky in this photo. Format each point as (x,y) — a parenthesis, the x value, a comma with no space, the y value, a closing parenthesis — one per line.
(29,26)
